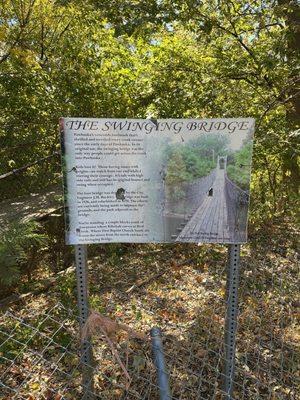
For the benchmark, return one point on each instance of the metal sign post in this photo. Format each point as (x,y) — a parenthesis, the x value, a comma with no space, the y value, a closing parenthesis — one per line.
(231,317)
(83,307)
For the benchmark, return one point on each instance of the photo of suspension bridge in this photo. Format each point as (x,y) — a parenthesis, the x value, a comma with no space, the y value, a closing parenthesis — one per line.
(207,183)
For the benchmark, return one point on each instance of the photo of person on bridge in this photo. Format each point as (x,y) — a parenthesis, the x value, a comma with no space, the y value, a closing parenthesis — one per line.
(207,189)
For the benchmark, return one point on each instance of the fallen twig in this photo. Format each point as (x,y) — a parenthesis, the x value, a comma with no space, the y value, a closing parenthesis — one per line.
(109,328)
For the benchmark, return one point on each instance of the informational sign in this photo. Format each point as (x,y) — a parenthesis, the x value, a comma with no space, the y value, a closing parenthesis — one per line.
(166,180)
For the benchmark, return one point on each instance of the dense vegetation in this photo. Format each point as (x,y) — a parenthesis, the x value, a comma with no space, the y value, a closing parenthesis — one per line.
(198,158)
(193,160)
(239,164)
(165,59)
(149,58)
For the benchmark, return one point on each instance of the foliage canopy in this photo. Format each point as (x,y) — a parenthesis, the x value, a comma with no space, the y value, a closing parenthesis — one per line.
(163,58)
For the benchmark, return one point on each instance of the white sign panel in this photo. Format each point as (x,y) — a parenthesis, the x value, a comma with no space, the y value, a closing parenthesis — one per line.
(166,180)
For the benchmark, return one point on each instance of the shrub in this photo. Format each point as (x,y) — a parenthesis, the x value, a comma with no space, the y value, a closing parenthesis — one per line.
(20,247)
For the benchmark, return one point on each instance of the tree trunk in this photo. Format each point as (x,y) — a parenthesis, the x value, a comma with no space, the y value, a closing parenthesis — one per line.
(290,168)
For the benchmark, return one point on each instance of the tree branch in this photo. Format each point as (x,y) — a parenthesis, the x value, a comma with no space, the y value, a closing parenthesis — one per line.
(23,21)
(25,167)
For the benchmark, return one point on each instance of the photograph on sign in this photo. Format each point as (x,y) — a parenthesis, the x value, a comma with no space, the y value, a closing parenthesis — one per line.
(166,180)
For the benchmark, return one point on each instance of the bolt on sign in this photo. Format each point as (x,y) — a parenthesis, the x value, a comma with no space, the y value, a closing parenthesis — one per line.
(148,180)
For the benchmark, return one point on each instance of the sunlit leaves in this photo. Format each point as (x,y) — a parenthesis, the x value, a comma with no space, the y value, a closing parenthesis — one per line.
(135,59)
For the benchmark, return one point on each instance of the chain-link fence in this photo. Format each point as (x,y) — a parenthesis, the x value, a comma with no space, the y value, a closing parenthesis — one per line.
(40,356)
(141,287)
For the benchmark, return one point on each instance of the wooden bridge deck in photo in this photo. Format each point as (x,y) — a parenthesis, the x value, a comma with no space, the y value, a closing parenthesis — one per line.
(221,216)
(210,221)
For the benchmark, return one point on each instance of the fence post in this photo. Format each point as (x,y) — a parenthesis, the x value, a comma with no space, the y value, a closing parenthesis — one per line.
(231,317)
(83,307)
(159,361)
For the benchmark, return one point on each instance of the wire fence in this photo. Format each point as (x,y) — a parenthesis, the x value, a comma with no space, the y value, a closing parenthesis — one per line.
(40,341)
(46,344)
